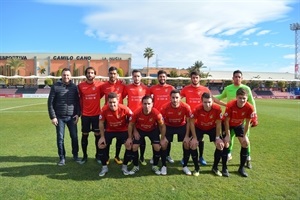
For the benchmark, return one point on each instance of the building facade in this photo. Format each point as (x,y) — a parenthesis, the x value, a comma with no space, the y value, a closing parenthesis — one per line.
(45,64)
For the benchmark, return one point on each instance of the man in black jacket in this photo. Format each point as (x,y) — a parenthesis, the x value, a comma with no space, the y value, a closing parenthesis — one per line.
(64,109)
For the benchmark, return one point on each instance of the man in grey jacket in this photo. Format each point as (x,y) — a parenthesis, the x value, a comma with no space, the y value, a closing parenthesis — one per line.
(64,109)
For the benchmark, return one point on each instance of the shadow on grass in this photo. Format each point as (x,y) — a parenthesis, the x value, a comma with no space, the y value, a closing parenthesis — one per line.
(14,166)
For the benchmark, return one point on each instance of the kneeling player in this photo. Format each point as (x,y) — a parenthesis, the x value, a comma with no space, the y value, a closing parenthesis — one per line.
(207,118)
(237,112)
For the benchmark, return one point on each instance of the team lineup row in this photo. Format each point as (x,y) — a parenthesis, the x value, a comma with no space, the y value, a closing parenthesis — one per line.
(156,112)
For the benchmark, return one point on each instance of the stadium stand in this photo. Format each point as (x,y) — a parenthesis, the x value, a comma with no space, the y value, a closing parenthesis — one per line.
(26,90)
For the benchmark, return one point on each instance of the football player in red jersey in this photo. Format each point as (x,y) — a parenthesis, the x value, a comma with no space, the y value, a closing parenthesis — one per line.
(161,96)
(116,117)
(176,116)
(192,94)
(238,115)
(147,121)
(207,119)
(118,87)
(135,92)
(89,94)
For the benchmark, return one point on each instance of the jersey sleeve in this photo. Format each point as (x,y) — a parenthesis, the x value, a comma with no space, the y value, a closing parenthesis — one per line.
(223,95)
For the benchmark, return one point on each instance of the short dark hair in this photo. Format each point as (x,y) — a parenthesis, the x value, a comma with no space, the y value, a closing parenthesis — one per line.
(195,73)
(241,91)
(112,95)
(206,95)
(237,72)
(147,97)
(161,72)
(112,68)
(65,70)
(175,91)
(92,68)
(136,71)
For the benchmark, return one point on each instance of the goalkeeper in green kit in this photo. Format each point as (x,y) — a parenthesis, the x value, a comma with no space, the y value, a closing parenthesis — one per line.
(229,93)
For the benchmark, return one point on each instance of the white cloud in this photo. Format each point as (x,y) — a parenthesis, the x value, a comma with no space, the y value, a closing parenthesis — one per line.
(250,31)
(290,56)
(179,32)
(279,45)
(264,32)
(290,68)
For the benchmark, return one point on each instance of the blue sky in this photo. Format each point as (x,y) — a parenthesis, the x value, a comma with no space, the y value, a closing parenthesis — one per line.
(250,35)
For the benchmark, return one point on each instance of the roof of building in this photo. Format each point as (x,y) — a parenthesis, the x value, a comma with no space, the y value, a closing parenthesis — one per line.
(227,75)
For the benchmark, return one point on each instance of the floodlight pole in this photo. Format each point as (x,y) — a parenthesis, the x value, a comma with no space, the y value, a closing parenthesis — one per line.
(296,27)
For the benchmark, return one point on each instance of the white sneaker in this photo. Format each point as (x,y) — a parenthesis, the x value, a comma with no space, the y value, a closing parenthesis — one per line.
(103,171)
(151,161)
(186,171)
(125,170)
(163,170)
(169,159)
(229,157)
(248,158)
(134,170)
(156,170)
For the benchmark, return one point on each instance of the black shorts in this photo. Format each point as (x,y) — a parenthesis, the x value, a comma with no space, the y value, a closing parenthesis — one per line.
(152,135)
(123,135)
(90,123)
(212,134)
(238,130)
(171,130)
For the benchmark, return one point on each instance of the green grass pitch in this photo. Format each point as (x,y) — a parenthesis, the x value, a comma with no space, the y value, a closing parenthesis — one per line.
(28,157)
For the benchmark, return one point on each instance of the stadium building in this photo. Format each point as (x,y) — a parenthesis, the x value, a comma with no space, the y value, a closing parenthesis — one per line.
(45,64)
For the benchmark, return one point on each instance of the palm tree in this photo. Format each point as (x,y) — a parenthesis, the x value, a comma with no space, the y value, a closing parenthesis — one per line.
(15,64)
(196,67)
(148,53)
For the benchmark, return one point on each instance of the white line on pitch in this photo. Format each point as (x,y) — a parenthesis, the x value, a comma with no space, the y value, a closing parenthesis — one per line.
(19,111)
(21,106)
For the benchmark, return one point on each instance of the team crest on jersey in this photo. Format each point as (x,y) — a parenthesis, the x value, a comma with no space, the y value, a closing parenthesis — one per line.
(243,113)
(179,113)
(151,119)
(211,116)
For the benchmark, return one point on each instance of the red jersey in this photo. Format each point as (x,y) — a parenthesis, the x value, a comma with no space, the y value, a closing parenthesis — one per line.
(89,94)
(109,87)
(116,121)
(206,120)
(193,95)
(238,115)
(161,94)
(134,94)
(147,122)
(176,116)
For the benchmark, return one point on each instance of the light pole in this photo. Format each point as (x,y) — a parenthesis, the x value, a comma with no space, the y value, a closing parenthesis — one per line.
(296,27)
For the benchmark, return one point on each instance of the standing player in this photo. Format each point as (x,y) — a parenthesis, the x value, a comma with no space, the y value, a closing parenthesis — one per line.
(238,115)
(135,92)
(230,93)
(192,94)
(207,119)
(161,96)
(176,116)
(116,117)
(147,121)
(64,109)
(89,93)
(116,86)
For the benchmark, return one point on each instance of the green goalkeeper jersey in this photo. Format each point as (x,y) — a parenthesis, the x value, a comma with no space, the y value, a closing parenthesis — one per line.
(229,93)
